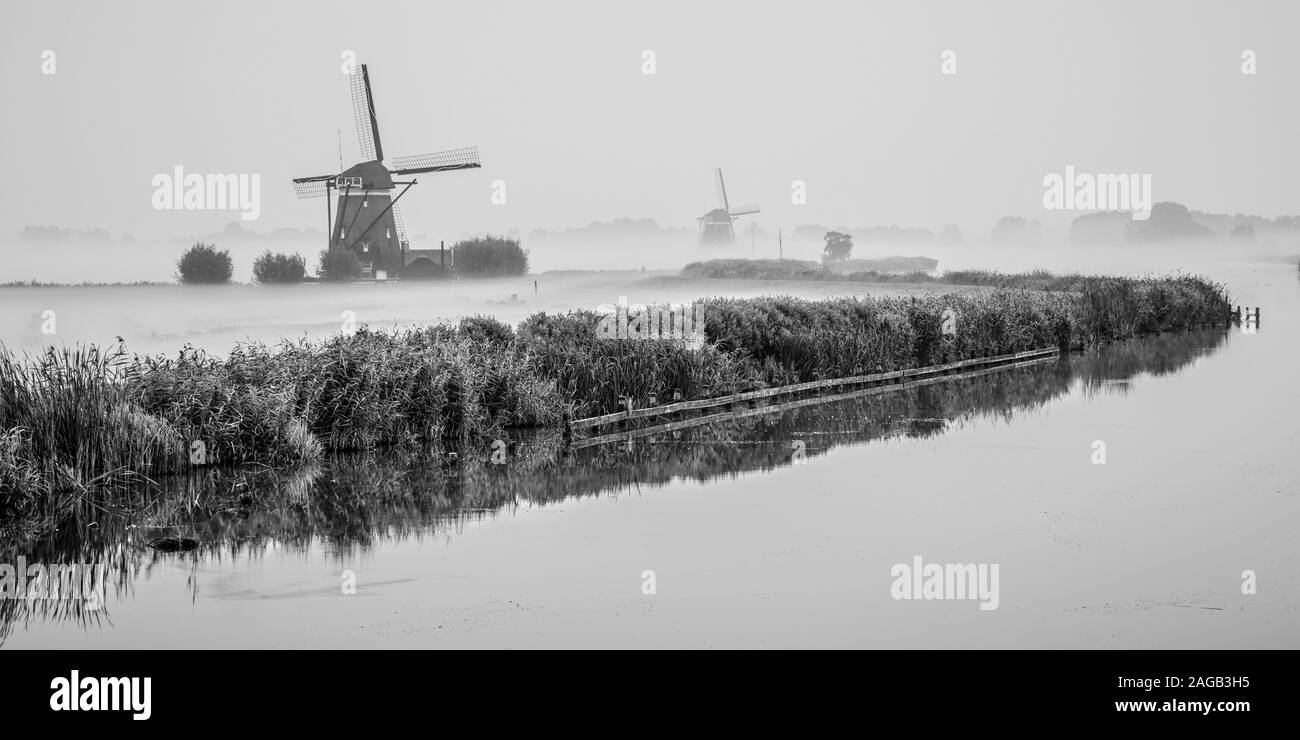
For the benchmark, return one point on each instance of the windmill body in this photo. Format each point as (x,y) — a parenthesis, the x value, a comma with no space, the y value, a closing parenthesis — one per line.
(718,225)
(367,221)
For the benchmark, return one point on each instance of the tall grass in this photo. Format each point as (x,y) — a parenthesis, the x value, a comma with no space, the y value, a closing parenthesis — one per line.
(371,389)
(70,412)
(592,374)
(67,430)
(795,340)
(75,421)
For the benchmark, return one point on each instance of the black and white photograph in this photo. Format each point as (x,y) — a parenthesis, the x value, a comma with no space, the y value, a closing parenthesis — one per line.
(707,326)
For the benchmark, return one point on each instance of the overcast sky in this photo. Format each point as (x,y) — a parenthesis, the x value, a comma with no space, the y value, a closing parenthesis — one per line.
(846,96)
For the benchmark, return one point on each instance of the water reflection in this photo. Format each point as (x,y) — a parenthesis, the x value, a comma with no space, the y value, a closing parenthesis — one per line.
(349,503)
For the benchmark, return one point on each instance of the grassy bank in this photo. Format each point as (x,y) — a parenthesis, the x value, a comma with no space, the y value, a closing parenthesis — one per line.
(890,269)
(859,272)
(885,264)
(73,422)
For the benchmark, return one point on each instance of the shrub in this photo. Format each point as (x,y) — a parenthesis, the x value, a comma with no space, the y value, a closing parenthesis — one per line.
(204,263)
(490,256)
(485,329)
(338,264)
(279,268)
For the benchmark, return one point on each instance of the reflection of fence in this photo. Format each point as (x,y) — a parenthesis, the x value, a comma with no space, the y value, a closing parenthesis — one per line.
(874,382)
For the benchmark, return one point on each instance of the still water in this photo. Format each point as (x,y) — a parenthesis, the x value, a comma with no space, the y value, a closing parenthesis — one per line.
(751,545)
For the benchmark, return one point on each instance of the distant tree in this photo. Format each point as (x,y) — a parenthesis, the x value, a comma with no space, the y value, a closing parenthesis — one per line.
(1167,221)
(1102,227)
(839,247)
(1009,229)
(279,268)
(204,263)
(338,264)
(1242,233)
(490,256)
(951,234)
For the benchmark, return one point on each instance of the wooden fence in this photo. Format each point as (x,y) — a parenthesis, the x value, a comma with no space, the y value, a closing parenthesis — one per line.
(1248,317)
(879,382)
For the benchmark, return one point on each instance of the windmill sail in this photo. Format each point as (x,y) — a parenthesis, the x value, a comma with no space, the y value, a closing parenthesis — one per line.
(722,192)
(311,187)
(744,210)
(363,109)
(402,241)
(453,159)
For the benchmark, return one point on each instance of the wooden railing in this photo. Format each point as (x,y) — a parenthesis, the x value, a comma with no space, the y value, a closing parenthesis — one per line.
(894,379)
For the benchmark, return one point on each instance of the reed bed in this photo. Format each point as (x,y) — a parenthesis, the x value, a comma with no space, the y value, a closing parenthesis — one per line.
(768,269)
(77,422)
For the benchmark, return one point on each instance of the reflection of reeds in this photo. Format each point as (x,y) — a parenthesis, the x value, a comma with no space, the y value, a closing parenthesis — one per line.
(113,564)
(1157,355)
(80,611)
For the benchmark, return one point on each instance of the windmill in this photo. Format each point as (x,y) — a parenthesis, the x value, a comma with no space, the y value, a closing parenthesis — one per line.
(716,225)
(367,221)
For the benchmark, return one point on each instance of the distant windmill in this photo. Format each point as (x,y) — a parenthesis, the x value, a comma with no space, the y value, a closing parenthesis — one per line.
(368,222)
(716,225)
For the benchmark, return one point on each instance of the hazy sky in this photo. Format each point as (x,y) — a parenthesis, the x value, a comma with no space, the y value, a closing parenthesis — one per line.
(846,96)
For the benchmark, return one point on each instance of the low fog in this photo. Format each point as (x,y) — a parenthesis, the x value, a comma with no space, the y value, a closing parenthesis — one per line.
(932,131)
